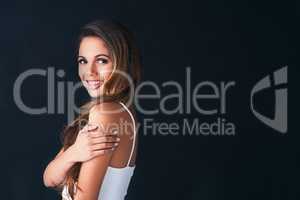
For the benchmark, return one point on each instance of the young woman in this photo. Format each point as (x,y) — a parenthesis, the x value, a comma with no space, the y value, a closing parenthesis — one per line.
(90,166)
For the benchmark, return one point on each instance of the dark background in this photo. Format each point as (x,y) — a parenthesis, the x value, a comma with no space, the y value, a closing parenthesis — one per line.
(240,41)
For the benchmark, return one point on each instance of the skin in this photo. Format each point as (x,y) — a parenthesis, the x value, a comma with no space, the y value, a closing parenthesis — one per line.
(92,172)
(97,151)
(94,63)
(89,143)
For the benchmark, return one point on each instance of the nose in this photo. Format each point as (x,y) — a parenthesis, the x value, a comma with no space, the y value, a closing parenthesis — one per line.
(92,69)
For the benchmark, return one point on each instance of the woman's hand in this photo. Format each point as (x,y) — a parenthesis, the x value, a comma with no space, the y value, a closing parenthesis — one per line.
(92,142)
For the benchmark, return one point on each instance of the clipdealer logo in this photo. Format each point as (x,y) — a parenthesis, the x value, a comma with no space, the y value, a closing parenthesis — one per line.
(207,98)
(280,79)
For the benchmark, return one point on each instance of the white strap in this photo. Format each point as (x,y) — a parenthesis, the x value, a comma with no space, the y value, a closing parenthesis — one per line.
(134,133)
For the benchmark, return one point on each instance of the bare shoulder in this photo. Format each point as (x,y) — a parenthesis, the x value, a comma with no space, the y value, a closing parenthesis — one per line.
(110,111)
(113,116)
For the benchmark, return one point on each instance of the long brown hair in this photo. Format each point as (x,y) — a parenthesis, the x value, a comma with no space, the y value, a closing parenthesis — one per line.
(125,56)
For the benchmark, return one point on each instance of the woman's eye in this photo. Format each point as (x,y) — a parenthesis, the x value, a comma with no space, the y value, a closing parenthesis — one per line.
(102,61)
(81,61)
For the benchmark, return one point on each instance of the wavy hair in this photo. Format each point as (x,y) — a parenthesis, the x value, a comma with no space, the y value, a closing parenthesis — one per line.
(126,59)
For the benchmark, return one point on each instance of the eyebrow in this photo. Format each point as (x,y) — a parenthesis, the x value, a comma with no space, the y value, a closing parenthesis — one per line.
(98,55)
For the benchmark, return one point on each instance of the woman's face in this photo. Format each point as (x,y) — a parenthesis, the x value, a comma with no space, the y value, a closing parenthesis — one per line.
(94,64)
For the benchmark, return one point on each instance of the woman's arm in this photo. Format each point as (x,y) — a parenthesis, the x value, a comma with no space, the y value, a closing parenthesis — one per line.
(80,151)
(92,172)
(57,169)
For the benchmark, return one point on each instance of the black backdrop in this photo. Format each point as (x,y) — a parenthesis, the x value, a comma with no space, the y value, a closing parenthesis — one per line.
(240,41)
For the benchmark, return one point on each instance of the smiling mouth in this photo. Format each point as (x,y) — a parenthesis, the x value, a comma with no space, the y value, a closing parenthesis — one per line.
(93,84)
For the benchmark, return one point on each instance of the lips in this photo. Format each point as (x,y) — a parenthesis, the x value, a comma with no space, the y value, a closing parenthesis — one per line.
(93,84)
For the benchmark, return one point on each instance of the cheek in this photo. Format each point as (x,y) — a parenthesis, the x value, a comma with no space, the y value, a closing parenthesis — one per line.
(80,72)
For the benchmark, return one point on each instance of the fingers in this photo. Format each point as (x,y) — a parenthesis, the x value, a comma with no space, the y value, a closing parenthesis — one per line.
(91,127)
(102,152)
(88,127)
(103,146)
(110,139)
(95,131)
(98,133)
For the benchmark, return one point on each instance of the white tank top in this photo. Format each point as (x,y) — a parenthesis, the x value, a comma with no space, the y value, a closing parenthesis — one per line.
(116,180)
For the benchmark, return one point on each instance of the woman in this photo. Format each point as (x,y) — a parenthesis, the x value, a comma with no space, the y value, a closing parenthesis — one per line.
(98,160)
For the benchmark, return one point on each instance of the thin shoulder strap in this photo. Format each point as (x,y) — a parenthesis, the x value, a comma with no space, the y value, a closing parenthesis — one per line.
(134,133)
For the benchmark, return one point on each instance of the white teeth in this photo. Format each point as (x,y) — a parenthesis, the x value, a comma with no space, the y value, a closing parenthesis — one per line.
(93,84)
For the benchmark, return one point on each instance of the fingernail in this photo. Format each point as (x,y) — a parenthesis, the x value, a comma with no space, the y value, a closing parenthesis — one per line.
(115,132)
(118,139)
(116,144)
